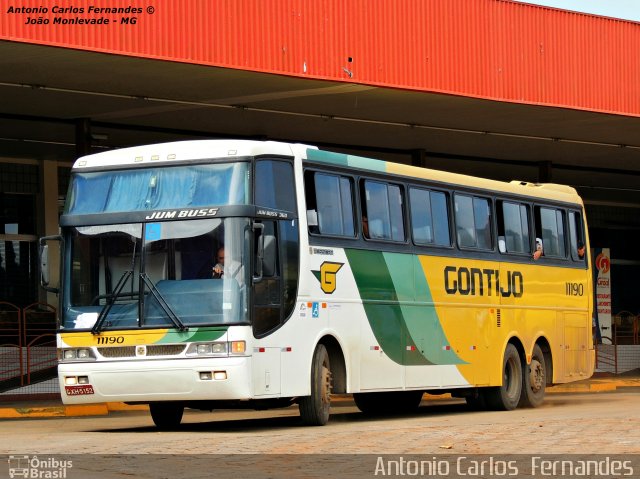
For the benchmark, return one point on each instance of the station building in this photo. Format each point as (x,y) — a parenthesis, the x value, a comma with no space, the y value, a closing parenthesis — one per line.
(492,88)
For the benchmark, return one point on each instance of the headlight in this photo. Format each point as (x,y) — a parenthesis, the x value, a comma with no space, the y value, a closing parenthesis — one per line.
(77,354)
(217,349)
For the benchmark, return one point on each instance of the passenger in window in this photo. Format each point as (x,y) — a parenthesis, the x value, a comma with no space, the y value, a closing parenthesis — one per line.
(581,250)
(218,269)
(365,227)
(539,250)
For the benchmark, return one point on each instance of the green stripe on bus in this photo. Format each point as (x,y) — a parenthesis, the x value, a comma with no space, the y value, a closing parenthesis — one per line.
(195,334)
(388,283)
(421,319)
(341,159)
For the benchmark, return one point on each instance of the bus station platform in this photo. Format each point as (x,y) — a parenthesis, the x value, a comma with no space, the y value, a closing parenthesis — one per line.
(54,408)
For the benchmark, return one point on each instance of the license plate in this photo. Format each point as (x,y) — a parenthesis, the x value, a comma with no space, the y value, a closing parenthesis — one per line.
(78,390)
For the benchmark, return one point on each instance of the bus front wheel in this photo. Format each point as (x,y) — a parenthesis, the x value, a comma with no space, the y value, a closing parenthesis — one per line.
(314,409)
(507,396)
(166,415)
(535,380)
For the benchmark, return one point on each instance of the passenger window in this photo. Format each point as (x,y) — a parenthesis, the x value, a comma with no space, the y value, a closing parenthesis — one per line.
(334,205)
(576,236)
(473,222)
(429,217)
(275,185)
(513,228)
(382,215)
(550,228)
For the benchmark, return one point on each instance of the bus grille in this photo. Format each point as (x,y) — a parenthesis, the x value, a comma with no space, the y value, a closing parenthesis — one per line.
(118,352)
(152,350)
(165,349)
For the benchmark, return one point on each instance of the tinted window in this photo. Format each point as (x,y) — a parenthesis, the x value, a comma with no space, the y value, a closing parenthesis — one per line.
(275,186)
(383,211)
(429,217)
(473,222)
(334,205)
(551,228)
(514,228)
(576,237)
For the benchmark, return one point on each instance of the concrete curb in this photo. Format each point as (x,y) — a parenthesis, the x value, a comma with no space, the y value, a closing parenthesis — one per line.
(102,409)
(26,411)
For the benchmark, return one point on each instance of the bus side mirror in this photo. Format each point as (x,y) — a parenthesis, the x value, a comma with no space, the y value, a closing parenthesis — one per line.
(44,265)
(269,255)
(45,275)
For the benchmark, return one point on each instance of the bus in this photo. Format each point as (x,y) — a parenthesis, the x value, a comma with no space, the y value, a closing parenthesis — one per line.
(217,274)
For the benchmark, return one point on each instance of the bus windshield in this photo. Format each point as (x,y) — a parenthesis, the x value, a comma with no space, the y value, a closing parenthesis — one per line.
(157,188)
(164,274)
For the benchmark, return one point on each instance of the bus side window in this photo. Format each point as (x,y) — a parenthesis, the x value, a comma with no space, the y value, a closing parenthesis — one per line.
(382,207)
(576,236)
(429,217)
(550,227)
(513,228)
(473,222)
(329,204)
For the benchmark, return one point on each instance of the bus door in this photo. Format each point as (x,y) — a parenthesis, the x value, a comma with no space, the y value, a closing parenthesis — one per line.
(267,313)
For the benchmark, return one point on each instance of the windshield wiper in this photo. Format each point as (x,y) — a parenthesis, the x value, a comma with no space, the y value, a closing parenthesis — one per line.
(163,303)
(111,301)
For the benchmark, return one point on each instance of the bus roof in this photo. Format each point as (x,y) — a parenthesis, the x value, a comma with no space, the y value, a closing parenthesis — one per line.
(548,191)
(181,151)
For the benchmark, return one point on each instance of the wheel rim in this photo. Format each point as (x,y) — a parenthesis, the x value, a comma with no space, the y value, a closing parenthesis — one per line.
(536,375)
(326,385)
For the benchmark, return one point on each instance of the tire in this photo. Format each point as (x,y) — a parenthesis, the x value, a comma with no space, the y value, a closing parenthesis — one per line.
(393,402)
(507,396)
(534,380)
(166,415)
(314,409)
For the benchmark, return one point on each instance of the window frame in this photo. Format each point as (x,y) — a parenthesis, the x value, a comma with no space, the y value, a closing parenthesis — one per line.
(310,174)
(538,233)
(499,205)
(447,196)
(403,206)
(492,219)
(580,236)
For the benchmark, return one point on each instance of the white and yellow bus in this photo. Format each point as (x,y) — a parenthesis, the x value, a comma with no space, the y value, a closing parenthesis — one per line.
(215,274)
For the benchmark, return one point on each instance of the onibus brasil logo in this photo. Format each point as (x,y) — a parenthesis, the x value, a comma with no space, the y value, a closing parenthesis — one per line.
(33,467)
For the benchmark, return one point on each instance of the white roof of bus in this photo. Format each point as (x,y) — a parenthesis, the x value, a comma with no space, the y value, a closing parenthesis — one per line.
(203,149)
(184,151)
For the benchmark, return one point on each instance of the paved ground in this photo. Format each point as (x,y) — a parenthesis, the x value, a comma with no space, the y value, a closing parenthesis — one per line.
(55,408)
(567,423)
(274,444)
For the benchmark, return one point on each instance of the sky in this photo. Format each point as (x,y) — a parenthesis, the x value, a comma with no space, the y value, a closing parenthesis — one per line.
(627,9)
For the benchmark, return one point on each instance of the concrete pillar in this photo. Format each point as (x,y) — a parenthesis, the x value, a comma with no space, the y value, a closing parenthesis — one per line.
(49,175)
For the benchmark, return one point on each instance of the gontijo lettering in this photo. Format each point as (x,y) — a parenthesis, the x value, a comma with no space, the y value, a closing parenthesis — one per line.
(481,282)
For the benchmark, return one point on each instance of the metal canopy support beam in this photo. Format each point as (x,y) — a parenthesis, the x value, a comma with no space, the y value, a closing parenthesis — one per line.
(419,158)
(83,137)
(545,174)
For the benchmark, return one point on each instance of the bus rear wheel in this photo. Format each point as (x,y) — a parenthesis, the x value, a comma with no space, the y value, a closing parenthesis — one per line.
(507,396)
(166,415)
(535,380)
(314,409)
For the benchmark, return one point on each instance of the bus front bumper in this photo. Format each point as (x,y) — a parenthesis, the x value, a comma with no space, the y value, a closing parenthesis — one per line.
(161,380)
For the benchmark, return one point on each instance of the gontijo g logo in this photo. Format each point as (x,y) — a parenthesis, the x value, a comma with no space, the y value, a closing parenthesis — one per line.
(327,276)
